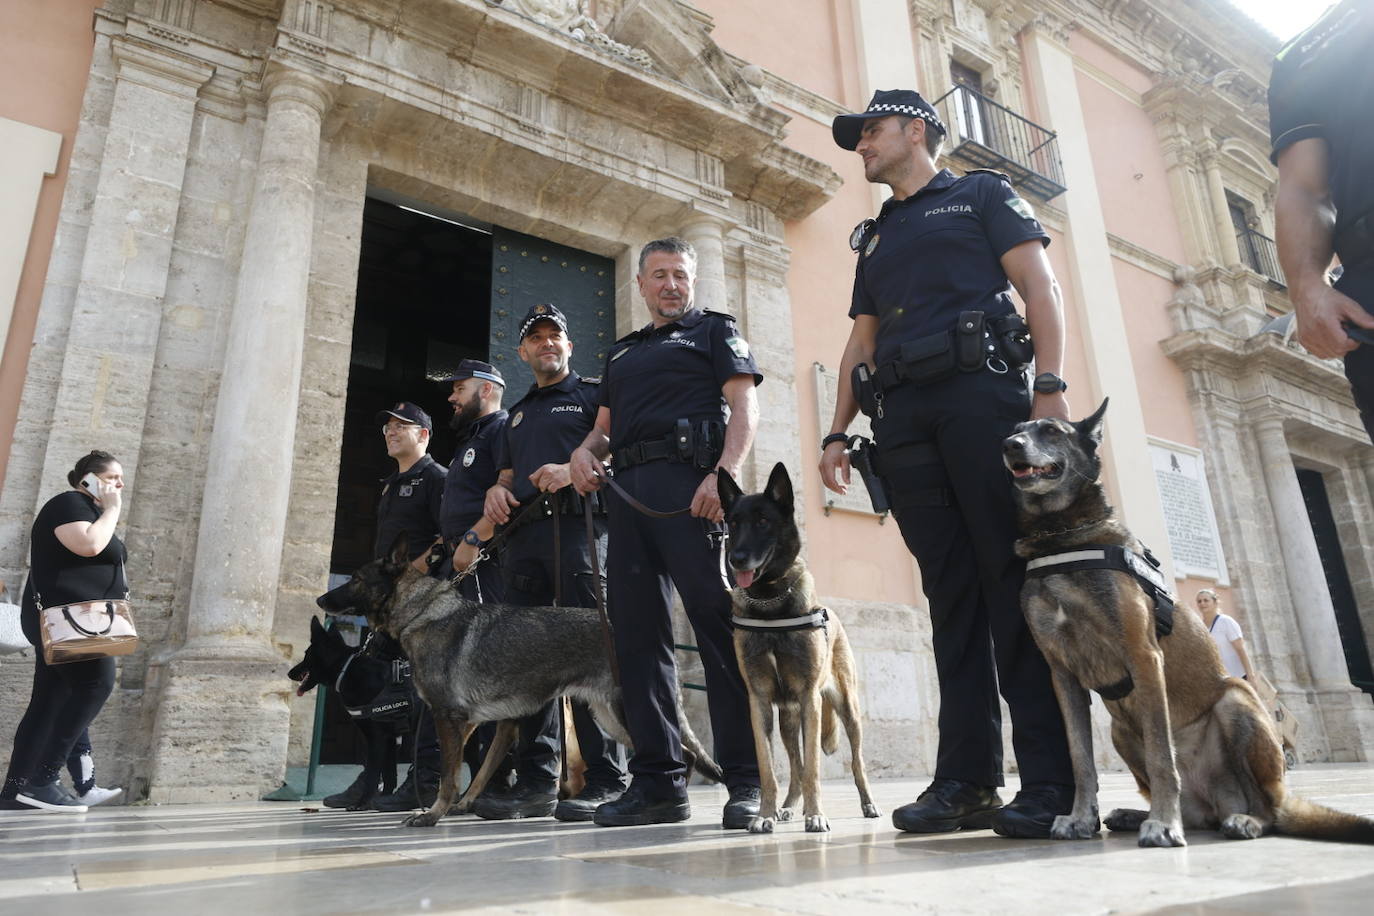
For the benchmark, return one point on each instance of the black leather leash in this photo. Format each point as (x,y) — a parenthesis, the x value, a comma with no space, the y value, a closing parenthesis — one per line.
(485,552)
(600,586)
(639,506)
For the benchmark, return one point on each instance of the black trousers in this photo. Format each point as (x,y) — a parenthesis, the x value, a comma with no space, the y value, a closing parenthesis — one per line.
(529,568)
(1358,283)
(940,447)
(646,554)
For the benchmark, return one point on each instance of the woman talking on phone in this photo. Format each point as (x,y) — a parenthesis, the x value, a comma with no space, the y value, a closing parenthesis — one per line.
(74,556)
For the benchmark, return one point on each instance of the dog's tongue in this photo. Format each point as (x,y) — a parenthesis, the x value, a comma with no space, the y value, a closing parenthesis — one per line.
(300,691)
(744,577)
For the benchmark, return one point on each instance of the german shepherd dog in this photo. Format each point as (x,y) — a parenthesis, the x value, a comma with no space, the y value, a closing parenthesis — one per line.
(807,672)
(474,663)
(1202,748)
(324,661)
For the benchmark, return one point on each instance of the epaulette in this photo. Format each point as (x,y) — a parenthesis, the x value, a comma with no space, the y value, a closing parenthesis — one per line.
(590,379)
(725,315)
(1001,175)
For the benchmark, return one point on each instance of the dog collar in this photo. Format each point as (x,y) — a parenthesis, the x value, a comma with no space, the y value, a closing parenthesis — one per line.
(1144,569)
(814,620)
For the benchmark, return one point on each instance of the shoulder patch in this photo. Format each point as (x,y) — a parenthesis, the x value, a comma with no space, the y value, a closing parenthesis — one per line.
(1021,208)
(738,346)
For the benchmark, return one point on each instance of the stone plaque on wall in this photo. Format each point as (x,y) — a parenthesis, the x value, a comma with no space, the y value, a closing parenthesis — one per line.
(1193,540)
(856,500)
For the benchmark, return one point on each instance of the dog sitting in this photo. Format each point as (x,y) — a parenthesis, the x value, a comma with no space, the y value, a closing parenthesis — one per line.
(793,653)
(1202,748)
(474,663)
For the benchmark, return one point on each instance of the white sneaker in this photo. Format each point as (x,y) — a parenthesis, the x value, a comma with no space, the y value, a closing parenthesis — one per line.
(99,796)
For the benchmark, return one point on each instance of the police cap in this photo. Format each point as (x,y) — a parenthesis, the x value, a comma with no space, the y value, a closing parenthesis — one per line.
(885,102)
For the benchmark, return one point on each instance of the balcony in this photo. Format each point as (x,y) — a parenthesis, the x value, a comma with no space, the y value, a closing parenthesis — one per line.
(987,135)
(1260,254)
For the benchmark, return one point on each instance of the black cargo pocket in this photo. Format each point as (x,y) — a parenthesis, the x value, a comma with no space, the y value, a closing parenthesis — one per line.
(929,359)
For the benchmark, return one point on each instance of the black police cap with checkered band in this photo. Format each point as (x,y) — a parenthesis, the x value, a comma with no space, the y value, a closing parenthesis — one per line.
(847,127)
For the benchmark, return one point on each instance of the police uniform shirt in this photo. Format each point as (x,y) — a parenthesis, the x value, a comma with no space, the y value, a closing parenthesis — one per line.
(545,426)
(470,475)
(1323,86)
(410,503)
(657,376)
(937,253)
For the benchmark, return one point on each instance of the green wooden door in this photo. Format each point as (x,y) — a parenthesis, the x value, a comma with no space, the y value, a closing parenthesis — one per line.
(525,271)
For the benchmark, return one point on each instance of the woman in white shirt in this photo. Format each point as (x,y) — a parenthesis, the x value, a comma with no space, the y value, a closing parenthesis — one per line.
(1226,633)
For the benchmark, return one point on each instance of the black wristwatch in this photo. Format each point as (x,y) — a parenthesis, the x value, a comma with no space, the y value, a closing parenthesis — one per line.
(471,539)
(1049,383)
(832,439)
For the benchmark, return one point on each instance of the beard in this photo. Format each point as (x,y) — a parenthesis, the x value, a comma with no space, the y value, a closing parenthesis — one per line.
(464,416)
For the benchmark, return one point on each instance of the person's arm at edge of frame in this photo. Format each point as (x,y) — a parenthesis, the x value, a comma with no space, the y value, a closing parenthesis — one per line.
(1028,269)
(1239,645)
(738,391)
(584,465)
(1305,222)
(863,340)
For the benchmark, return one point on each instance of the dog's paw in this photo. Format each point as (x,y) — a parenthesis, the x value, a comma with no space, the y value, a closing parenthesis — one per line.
(784,814)
(761,825)
(870,810)
(1126,819)
(421,819)
(816,823)
(1241,827)
(1066,827)
(1158,833)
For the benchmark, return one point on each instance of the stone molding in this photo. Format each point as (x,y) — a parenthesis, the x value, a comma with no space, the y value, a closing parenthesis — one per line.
(159,67)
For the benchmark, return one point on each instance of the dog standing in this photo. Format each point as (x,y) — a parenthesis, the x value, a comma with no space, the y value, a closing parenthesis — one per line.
(1203,750)
(793,653)
(474,663)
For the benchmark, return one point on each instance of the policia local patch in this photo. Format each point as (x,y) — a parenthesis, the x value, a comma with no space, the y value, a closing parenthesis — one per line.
(1021,208)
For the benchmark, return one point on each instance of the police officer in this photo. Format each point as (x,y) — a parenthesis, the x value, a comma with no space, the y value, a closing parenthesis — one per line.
(1320,98)
(409,505)
(661,413)
(545,426)
(480,424)
(931,296)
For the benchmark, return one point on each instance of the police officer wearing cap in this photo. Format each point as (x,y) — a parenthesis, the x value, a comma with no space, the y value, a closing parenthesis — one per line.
(942,348)
(410,505)
(545,426)
(1321,96)
(662,415)
(480,423)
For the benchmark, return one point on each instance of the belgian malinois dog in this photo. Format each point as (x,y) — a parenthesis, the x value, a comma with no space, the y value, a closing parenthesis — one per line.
(1203,750)
(805,667)
(474,663)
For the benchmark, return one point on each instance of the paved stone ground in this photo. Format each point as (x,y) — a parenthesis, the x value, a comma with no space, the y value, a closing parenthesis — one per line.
(279,858)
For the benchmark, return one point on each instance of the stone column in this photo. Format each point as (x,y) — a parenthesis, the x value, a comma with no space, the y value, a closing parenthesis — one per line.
(707,235)
(1228,251)
(224,686)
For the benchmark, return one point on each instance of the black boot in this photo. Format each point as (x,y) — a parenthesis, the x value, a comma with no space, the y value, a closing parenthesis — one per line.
(403,799)
(643,803)
(949,804)
(1031,814)
(525,800)
(355,796)
(742,807)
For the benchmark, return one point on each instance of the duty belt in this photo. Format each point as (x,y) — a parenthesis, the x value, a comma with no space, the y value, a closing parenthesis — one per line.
(697,443)
(1144,569)
(564,502)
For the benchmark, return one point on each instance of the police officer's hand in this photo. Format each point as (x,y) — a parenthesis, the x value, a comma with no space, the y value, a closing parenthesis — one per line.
(1049,405)
(463,556)
(835,467)
(1321,312)
(706,501)
(585,470)
(551,478)
(500,500)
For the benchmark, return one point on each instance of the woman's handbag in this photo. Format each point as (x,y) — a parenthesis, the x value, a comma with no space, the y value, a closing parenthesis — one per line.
(85,630)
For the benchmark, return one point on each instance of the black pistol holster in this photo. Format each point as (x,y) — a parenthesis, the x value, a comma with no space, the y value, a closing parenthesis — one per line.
(863,457)
(1012,336)
(870,400)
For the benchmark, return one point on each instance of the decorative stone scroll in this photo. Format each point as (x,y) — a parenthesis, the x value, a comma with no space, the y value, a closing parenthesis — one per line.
(570,16)
(1187,502)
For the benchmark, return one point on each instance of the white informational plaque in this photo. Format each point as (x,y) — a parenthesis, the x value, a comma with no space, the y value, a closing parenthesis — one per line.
(856,500)
(1183,493)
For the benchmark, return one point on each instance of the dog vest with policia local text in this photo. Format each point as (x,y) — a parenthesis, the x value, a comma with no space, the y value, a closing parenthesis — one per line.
(1144,569)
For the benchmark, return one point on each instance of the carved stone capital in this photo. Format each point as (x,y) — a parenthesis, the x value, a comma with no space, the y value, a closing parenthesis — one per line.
(284,83)
(159,67)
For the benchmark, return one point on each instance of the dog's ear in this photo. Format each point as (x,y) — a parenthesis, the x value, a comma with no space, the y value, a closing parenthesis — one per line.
(398,557)
(1090,427)
(779,487)
(316,628)
(728,490)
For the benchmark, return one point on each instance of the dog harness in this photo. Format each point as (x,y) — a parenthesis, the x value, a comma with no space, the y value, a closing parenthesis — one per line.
(1144,569)
(392,701)
(816,619)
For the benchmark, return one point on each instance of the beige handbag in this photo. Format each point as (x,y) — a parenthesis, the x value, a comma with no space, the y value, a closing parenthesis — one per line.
(85,630)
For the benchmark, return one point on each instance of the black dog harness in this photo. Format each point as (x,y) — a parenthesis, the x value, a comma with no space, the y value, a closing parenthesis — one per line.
(393,701)
(1144,569)
(816,619)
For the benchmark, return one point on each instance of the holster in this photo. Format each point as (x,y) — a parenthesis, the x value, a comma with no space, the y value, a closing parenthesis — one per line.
(1012,335)
(861,383)
(863,457)
(1355,243)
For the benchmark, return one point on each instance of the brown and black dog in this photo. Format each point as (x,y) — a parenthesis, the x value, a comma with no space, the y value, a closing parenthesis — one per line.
(1203,750)
(806,670)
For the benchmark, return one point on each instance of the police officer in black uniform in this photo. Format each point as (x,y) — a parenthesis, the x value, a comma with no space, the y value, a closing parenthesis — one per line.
(409,505)
(480,424)
(1321,96)
(545,426)
(662,414)
(935,323)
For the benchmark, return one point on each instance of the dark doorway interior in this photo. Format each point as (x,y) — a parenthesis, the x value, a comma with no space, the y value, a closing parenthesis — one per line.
(1337,578)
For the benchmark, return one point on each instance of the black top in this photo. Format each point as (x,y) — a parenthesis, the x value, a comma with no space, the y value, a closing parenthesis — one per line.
(62,577)
(410,503)
(1323,86)
(657,376)
(545,426)
(471,474)
(937,253)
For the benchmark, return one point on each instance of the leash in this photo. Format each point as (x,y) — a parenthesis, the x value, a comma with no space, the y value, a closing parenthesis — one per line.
(636,504)
(600,586)
(485,552)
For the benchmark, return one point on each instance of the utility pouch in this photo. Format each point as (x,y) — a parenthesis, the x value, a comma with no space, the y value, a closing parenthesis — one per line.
(710,442)
(682,440)
(863,457)
(861,382)
(929,359)
(968,341)
(1013,338)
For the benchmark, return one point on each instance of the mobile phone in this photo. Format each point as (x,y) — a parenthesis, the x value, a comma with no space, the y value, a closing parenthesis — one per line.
(1363,335)
(92,484)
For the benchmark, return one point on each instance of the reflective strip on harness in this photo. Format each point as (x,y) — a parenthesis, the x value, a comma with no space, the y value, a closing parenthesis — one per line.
(816,618)
(1143,569)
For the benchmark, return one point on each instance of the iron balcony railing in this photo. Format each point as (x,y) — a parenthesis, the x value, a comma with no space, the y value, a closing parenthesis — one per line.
(988,135)
(1260,254)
